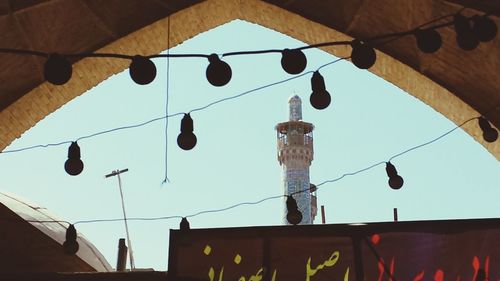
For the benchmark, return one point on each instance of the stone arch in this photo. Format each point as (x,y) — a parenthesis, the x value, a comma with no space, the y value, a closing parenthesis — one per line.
(87,73)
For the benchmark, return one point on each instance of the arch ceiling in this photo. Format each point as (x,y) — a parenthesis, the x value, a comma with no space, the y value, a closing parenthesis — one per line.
(458,84)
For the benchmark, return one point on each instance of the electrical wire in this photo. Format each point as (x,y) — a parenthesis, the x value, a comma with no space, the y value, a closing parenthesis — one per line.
(373,40)
(166,180)
(267,198)
(394,156)
(391,37)
(235,206)
(37,221)
(263,87)
(172,115)
(346,175)
(163,217)
(129,219)
(35,146)
(433,140)
(126,127)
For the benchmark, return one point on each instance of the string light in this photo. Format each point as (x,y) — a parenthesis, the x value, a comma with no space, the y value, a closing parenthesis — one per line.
(293,61)
(167,97)
(70,245)
(293,216)
(490,134)
(172,115)
(74,165)
(428,40)
(466,39)
(218,72)
(57,69)
(320,98)
(142,70)
(230,98)
(395,180)
(309,189)
(363,56)
(186,139)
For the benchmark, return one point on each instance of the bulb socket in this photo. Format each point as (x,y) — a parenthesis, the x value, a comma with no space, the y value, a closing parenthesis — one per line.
(70,245)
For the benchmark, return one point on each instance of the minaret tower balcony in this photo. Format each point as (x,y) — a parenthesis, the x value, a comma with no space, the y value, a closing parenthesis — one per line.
(295,154)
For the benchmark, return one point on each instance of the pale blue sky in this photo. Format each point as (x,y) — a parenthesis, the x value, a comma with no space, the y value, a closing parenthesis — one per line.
(368,121)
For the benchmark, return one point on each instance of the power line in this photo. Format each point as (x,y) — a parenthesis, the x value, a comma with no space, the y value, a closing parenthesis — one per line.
(433,140)
(144,71)
(392,157)
(372,40)
(167,95)
(127,127)
(161,218)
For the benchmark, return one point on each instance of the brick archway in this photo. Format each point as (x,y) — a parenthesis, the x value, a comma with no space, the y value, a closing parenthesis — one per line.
(87,73)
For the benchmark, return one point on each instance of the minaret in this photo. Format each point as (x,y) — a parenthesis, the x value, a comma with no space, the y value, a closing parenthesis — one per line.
(295,153)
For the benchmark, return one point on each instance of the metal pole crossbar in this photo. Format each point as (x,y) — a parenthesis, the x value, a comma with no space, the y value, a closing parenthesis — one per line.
(117,173)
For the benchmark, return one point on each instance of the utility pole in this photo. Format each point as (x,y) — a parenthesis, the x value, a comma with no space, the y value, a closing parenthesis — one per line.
(117,173)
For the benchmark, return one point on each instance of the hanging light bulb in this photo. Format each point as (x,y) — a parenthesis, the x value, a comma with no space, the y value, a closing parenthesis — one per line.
(395,180)
(293,216)
(293,61)
(57,69)
(484,28)
(466,39)
(490,134)
(184,225)
(428,40)
(184,229)
(363,56)
(74,165)
(218,72)
(70,245)
(320,98)
(186,139)
(142,70)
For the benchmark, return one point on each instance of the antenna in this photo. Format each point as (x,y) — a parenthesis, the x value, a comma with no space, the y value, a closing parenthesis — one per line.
(117,173)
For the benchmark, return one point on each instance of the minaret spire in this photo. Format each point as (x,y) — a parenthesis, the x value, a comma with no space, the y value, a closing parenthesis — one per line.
(295,108)
(295,153)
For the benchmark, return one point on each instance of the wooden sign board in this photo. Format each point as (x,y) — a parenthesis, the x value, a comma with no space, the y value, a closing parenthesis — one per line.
(426,250)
